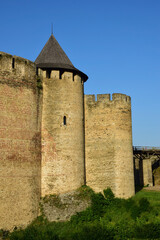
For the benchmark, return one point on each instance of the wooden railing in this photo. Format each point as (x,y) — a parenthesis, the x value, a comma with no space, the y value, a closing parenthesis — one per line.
(145,148)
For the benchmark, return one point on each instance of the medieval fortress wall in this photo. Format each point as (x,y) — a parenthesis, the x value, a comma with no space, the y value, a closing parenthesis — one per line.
(53,139)
(19,142)
(108,143)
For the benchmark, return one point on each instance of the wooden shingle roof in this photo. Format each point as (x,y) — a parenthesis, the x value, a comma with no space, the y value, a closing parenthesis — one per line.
(52,56)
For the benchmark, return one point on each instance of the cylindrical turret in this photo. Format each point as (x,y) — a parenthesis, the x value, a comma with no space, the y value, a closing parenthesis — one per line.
(62,121)
(108,144)
(19,142)
(124,173)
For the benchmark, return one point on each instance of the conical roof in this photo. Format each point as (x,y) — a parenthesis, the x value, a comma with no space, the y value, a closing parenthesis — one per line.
(52,56)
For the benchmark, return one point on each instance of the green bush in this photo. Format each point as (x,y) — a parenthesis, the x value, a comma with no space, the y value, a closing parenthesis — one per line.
(108,217)
(98,204)
(148,231)
(109,195)
(35,233)
(85,216)
(144,205)
(84,192)
(94,232)
(3,234)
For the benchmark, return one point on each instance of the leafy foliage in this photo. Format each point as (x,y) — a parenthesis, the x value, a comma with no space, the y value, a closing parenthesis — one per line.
(109,195)
(107,218)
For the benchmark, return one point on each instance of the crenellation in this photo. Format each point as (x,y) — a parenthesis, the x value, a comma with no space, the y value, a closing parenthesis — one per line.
(67,75)
(77,77)
(5,62)
(39,72)
(106,98)
(120,97)
(128,99)
(103,98)
(13,66)
(55,74)
(44,73)
(89,99)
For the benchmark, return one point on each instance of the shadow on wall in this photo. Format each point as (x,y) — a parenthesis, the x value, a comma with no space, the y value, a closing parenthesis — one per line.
(138,174)
(156,173)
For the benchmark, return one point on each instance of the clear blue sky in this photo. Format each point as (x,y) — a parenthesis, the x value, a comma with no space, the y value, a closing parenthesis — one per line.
(115,42)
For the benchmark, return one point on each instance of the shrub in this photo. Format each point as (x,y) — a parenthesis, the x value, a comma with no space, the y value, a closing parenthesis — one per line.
(94,232)
(85,216)
(144,205)
(3,234)
(148,231)
(83,193)
(109,195)
(107,218)
(35,233)
(98,204)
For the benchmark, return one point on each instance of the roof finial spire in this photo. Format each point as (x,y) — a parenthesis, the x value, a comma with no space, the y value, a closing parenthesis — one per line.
(52,29)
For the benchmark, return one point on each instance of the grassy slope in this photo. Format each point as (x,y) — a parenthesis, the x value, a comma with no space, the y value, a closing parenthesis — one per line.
(107,218)
(152,196)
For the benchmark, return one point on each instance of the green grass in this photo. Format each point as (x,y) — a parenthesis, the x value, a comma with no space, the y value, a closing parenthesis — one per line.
(152,196)
(107,218)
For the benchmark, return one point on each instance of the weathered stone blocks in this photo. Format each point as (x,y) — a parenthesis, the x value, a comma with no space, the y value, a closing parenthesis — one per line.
(53,139)
(108,144)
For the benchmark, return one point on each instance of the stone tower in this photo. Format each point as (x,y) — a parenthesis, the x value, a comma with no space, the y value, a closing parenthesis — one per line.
(20,159)
(62,164)
(108,144)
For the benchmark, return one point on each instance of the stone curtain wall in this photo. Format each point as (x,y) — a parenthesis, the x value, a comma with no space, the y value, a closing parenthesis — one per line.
(19,142)
(44,148)
(108,144)
(62,140)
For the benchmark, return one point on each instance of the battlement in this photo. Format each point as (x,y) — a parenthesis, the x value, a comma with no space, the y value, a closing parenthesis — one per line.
(17,66)
(59,74)
(107,98)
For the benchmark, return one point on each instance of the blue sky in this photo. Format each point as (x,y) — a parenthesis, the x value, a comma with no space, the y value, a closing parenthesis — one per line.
(115,42)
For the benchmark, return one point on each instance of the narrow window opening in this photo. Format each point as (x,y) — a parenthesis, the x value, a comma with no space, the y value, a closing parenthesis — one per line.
(48,74)
(64,120)
(13,62)
(60,74)
(37,71)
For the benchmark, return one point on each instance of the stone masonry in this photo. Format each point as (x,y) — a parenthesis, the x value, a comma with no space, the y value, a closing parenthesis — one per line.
(19,142)
(53,139)
(108,143)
